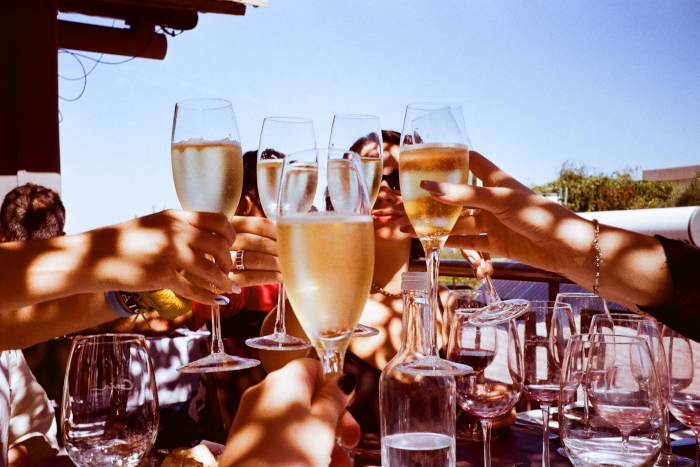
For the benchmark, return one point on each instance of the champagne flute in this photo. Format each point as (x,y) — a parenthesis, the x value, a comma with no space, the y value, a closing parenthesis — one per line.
(361,134)
(434,146)
(493,389)
(325,235)
(208,173)
(110,402)
(279,137)
(630,324)
(621,381)
(544,331)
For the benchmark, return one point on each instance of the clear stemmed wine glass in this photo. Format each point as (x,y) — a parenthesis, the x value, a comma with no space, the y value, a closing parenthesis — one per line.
(544,331)
(110,402)
(434,146)
(493,389)
(585,305)
(208,173)
(361,134)
(621,382)
(684,374)
(325,236)
(629,324)
(279,137)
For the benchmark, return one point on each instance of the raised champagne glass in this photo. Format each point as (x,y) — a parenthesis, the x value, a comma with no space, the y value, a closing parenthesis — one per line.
(434,146)
(208,172)
(325,235)
(279,137)
(361,134)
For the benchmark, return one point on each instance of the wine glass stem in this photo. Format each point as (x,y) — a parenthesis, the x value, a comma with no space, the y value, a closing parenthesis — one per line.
(493,296)
(432,250)
(486,429)
(217,345)
(280,326)
(545,435)
(332,356)
(697,447)
(666,450)
(586,426)
(625,442)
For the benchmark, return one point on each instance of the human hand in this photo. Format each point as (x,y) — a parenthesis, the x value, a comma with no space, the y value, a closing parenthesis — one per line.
(481,262)
(257,237)
(149,253)
(519,223)
(293,418)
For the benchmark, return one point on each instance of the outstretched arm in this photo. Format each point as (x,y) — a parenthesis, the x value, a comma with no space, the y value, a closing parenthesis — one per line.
(523,225)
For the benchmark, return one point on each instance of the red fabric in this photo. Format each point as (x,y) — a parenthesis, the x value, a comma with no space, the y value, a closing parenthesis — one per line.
(259,298)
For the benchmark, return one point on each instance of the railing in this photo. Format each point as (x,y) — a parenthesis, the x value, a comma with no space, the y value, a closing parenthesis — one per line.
(510,270)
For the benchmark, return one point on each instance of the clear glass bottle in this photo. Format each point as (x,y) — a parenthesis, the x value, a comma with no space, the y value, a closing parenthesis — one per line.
(417,412)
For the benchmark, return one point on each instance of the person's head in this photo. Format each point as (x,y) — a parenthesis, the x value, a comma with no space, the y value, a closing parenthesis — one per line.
(31,212)
(367,145)
(250,205)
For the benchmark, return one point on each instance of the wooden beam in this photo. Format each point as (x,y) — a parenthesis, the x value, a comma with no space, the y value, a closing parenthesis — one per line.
(180,19)
(114,41)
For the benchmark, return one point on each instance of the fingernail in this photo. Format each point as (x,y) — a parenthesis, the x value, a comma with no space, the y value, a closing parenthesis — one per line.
(404,229)
(347,383)
(436,188)
(235,288)
(471,261)
(221,300)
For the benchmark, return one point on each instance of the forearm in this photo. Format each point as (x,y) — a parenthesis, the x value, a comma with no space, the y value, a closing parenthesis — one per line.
(52,319)
(48,270)
(634,270)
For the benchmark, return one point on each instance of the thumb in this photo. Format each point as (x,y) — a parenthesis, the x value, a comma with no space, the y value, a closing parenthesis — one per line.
(333,397)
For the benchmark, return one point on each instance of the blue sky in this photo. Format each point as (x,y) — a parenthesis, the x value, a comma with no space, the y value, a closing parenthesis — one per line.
(613,85)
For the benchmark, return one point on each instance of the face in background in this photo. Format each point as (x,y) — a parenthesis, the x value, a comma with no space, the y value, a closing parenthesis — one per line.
(388,212)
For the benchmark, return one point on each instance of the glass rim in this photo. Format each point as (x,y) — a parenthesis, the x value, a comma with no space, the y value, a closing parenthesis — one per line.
(288,119)
(120,338)
(433,105)
(579,294)
(547,304)
(586,337)
(356,116)
(203,103)
(320,151)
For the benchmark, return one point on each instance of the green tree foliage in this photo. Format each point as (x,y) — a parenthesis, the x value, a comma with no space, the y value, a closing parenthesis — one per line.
(590,191)
(687,195)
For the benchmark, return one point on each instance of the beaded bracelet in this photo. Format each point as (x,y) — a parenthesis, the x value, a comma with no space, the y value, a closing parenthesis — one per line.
(598,257)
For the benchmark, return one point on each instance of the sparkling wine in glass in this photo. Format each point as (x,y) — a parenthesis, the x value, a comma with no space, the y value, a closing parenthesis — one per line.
(544,331)
(683,357)
(279,137)
(325,235)
(494,387)
(110,402)
(434,146)
(208,173)
(618,373)
(361,134)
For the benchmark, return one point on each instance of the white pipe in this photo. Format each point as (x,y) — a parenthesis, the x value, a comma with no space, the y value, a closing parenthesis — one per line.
(676,223)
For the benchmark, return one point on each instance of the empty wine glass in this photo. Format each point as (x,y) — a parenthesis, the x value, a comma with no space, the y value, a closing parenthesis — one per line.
(279,137)
(620,378)
(495,385)
(544,331)
(684,374)
(585,305)
(629,324)
(110,402)
(208,172)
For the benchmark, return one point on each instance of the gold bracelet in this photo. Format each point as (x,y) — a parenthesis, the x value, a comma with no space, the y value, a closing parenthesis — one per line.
(598,257)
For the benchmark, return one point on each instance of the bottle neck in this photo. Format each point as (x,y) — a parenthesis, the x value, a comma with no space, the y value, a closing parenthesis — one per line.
(419,335)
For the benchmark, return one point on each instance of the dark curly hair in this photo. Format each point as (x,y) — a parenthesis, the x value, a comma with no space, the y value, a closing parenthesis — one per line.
(32,212)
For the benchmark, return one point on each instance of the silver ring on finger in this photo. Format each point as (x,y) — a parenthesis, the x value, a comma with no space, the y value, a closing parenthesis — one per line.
(239,260)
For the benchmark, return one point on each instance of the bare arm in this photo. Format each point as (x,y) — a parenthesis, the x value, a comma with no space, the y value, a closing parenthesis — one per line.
(523,225)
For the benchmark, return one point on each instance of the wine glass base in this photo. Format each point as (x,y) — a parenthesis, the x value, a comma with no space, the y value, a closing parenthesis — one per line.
(673,460)
(499,313)
(278,341)
(435,366)
(364,331)
(218,362)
